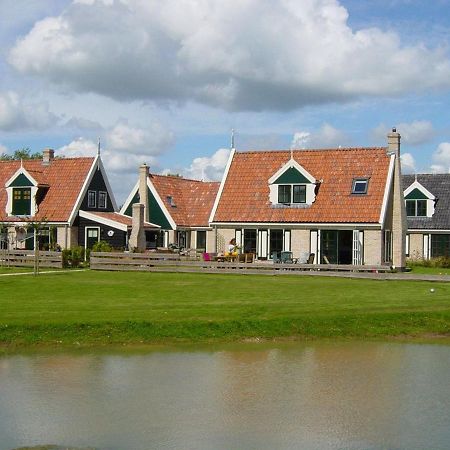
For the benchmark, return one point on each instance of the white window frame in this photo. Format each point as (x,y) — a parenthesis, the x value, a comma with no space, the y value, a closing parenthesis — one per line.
(89,199)
(100,193)
(358,181)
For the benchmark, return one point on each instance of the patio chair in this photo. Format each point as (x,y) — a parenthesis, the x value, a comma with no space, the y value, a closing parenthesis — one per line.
(286,258)
(311,258)
(275,258)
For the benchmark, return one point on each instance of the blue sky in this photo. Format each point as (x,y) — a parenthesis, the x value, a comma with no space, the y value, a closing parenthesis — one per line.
(165,82)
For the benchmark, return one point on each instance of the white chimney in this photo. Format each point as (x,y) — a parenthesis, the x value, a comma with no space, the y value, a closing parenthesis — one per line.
(143,189)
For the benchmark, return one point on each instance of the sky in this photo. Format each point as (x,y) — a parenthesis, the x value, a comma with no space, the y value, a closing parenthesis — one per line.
(165,82)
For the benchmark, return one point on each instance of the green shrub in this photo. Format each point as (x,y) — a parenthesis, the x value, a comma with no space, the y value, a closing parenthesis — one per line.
(102,246)
(438,262)
(73,257)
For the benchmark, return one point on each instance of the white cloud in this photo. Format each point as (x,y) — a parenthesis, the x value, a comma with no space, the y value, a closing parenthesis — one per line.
(124,148)
(207,168)
(3,149)
(216,53)
(326,137)
(153,139)
(78,147)
(441,157)
(416,132)
(408,163)
(17,114)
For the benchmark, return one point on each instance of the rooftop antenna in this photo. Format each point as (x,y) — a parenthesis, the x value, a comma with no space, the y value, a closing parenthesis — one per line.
(232,139)
(292,153)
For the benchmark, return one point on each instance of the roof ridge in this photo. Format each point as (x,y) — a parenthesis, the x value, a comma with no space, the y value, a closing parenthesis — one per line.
(315,150)
(181,178)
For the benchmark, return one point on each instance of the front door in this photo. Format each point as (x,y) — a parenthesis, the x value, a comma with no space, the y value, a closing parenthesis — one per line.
(92,236)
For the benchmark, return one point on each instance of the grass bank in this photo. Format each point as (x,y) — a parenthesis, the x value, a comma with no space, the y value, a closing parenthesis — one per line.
(101,308)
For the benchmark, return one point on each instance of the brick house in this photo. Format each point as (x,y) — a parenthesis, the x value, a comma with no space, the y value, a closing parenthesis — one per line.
(344,205)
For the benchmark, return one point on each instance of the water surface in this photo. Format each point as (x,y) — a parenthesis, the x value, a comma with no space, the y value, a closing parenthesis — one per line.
(296,396)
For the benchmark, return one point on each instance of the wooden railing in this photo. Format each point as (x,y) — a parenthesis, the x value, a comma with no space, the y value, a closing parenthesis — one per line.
(167,262)
(27,258)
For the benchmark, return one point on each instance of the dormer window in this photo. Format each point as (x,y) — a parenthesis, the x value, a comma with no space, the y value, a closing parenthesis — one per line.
(291,193)
(419,201)
(292,186)
(21,202)
(416,208)
(21,191)
(360,186)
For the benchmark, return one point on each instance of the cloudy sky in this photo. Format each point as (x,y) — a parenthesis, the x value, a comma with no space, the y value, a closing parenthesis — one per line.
(164,82)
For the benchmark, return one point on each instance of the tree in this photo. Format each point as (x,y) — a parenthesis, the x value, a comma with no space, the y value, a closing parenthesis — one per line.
(22,153)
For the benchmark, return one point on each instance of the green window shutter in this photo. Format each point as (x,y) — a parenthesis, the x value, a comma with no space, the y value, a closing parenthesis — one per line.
(291,176)
(21,202)
(416,194)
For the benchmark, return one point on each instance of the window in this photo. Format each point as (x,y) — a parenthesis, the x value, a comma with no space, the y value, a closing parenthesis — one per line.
(291,193)
(170,201)
(249,241)
(440,245)
(92,199)
(284,194)
(276,242)
(102,199)
(201,240)
(21,202)
(299,193)
(360,186)
(416,208)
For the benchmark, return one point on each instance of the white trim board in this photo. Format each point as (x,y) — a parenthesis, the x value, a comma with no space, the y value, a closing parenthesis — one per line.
(387,191)
(222,184)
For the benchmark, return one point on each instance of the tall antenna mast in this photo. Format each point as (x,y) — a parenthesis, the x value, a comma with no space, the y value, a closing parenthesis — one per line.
(98,147)
(232,139)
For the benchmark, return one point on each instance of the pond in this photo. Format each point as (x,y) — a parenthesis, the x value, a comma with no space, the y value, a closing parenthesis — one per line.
(349,395)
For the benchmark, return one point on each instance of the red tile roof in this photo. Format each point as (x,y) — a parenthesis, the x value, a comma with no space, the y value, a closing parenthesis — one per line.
(245,197)
(193,199)
(65,178)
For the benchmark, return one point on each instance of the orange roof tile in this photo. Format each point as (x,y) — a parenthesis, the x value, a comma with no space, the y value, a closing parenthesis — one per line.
(245,197)
(193,199)
(65,178)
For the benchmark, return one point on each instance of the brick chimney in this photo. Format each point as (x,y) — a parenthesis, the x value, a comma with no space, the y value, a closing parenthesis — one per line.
(137,237)
(48,154)
(143,189)
(399,223)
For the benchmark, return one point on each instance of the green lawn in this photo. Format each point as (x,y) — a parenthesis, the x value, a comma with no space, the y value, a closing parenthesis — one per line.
(430,270)
(4,270)
(113,308)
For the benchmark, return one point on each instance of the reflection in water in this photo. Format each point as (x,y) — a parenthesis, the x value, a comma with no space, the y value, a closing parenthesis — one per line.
(320,396)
